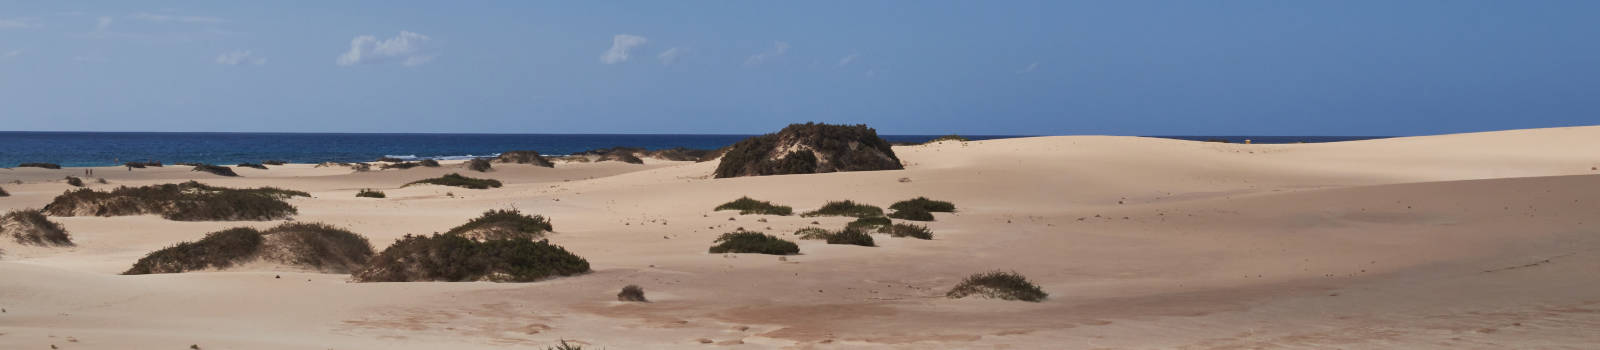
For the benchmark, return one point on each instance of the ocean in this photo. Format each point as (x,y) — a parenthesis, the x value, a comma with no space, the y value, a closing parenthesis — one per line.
(114,148)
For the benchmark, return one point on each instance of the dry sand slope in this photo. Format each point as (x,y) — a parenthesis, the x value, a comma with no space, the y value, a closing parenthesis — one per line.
(1458,241)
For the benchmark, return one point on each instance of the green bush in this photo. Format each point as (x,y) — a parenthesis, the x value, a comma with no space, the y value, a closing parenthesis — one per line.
(632,293)
(457,259)
(311,245)
(454,179)
(370,193)
(252,165)
(913,214)
(429,163)
(812,233)
(74,181)
(503,224)
(998,285)
(29,227)
(851,236)
(909,230)
(747,206)
(926,204)
(189,201)
(399,165)
(831,148)
(524,157)
(218,250)
(880,224)
(479,165)
(39,165)
(218,170)
(753,242)
(846,208)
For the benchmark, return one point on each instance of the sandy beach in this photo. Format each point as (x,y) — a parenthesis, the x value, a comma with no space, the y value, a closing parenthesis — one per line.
(1482,241)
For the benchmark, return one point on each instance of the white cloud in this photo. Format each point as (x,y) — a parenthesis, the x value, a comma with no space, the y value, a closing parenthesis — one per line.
(1030,68)
(16,23)
(620,44)
(847,59)
(103,23)
(174,18)
(411,49)
(237,57)
(671,55)
(778,49)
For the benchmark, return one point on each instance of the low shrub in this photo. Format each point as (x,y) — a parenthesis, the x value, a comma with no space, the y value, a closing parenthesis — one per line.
(851,236)
(39,165)
(846,208)
(998,285)
(913,214)
(274,162)
(880,224)
(136,165)
(3,192)
(429,163)
(218,250)
(746,206)
(309,245)
(457,259)
(926,204)
(753,242)
(153,164)
(189,201)
(370,193)
(632,293)
(479,165)
(503,224)
(454,179)
(29,227)
(252,165)
(950,137)
(812,233)
(218,170)
(399,165)
(909,230)
(74,181)
(524,157)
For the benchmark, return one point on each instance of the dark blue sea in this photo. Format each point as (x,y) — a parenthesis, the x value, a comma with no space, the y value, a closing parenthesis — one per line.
(113,148)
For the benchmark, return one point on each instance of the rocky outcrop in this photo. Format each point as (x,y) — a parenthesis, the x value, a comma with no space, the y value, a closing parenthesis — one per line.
(809,148)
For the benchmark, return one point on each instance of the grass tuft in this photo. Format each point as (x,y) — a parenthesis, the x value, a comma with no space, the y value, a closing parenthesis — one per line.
(454,258)
(753,242)
(880,224)
(218,170)
(252,165)
(29,227)
(851,236)
(913,214)
(926,204)
(845,208)
(370,193)
(812,233)
(747,206)
(909,230)
(503,224)
(998,285)
(455,179)
(632,293)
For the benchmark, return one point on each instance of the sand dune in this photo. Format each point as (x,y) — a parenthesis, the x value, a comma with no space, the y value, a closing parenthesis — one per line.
(1482,240)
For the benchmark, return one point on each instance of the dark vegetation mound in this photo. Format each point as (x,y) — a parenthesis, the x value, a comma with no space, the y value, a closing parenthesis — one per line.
(219,170)
(998,285)
(950,137)
(252,165)
(39,165)
(812,233)
(851,236)
(189,201)
(909,230)
(683,154)
(479,165)
(459,259)
(29,227)
(913,214)
(925,204)
(524,157)
(389,159)
(308,245)
(876,223)
(746,206)
(429,163)
(74,181)
(846,208)
(274,162)
(408,165)
(809,148)
(632,293)
(352,166)
(136,165)
(503,224)
(154,164)
(189,163)
(753,242)
(3,192)
(370,193)
(454,179)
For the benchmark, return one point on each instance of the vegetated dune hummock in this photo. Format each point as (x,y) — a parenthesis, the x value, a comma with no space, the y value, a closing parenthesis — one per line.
(188,201)
(309,246)
(28,227)
(807,149)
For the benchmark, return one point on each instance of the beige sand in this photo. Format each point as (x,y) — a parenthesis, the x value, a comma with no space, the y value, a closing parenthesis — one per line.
(1482,240)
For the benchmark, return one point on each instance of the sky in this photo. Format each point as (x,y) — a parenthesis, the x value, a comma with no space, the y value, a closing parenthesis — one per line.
(740,67)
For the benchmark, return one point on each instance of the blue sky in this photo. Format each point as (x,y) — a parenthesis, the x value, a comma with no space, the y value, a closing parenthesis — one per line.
(904,67)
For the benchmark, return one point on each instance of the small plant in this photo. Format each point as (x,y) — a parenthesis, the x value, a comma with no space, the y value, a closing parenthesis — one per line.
(924,203)
(812,233)
(747,206)
(252,165)
(909,230)
(370,193)
(454,179)
(274,162)
(880,224)
(429,163)
(913,214)
(632,293)
(564,346)
(454,258)
(218,170)
(479,165)
(998,285)
(753,242)
(503,224)
(74,181)
(400,165)
(851,236)
(846,208)
(29,227)
(39,165)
